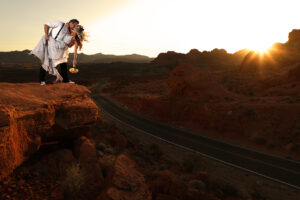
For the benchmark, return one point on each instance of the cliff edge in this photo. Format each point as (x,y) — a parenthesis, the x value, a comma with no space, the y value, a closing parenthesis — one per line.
(31,114)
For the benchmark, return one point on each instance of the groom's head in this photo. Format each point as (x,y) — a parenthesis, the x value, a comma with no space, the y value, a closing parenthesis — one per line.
(73,23)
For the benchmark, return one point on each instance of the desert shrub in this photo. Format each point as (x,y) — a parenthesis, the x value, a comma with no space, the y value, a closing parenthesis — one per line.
(198,184)
(230,190)
(106,165)
(73,182)
(286,137)
(297,133)
(191,164)
(144,156)
(104,148)
(249,111)
(277,118)
(258,138)
(155,151)
(270,144)
(100,146)
(133,140)
(291,147)
(170,162)
(257,195)
(162,167)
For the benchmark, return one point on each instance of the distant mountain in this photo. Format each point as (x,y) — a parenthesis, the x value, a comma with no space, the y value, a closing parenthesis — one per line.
(102,58)
(205,58)
(17,57)
(23,57)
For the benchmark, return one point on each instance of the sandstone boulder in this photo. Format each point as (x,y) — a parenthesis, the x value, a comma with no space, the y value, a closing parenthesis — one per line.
(86,153)
(125,182)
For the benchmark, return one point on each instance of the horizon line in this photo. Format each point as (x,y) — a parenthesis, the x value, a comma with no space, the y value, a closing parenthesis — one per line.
(243,49)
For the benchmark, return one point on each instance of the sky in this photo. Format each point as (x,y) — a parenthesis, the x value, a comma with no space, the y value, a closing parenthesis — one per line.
(149,27)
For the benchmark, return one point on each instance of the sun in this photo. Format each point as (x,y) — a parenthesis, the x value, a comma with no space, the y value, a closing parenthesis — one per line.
(261,45)
(262,50)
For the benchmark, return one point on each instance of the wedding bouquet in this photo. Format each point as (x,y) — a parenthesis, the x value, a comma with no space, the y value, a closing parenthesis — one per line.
(73,69)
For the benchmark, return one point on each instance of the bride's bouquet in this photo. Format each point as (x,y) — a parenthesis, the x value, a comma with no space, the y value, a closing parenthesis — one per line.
(73,69)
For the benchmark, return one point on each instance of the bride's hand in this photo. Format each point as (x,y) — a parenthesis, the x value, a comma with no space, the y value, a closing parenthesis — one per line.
(74,62)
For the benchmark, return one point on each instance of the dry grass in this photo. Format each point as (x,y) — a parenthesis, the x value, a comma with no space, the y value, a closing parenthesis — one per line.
(73,182)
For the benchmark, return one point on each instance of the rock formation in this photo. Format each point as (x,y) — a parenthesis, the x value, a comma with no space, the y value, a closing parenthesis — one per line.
(125,182)
(86,154)
(216,57)
(31,114)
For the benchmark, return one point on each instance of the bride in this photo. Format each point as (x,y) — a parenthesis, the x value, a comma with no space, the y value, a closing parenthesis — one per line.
(75,38)
(53,52)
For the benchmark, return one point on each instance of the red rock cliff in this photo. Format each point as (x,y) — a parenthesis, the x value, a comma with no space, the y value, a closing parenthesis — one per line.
(30,113)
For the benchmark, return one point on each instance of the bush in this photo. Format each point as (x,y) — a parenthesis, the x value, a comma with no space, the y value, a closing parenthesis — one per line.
(100,146)
(198,184)
(104,148)
(258,139)
(106,165)
(73,182)
(191,164)
(257,195)
(297,133)
(271,144)
(230,190)
(155,151)
(249,111)
(142,155)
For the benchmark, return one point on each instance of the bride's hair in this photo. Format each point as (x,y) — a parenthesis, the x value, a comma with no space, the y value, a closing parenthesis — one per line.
(80,36)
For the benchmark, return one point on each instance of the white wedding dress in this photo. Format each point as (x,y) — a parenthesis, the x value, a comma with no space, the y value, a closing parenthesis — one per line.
(54,51)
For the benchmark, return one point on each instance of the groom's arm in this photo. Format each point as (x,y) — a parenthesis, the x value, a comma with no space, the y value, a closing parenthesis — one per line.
(49,25)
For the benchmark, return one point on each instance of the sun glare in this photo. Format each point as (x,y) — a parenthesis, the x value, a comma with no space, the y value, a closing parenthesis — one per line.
(261,50)
(261,45)
(151,27)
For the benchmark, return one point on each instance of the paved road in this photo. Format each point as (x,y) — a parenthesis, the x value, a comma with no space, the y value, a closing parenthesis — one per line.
(274,168)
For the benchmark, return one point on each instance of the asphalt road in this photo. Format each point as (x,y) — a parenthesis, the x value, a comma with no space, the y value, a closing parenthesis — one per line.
(275,168)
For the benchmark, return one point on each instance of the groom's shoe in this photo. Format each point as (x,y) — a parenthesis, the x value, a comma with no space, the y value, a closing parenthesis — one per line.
(43,83)
(71,81)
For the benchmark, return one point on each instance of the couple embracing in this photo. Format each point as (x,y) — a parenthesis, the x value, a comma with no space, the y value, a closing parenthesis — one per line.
(53,48)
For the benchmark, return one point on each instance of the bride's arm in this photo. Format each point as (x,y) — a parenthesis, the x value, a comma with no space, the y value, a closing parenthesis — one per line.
(75,54)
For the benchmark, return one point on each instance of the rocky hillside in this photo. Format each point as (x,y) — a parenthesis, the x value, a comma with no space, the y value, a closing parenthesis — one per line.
(248,109)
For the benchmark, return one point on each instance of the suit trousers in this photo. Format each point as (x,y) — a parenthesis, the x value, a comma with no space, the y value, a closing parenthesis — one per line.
(63,72)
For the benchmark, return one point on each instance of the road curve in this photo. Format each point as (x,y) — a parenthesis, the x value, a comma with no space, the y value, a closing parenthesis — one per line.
(275,168)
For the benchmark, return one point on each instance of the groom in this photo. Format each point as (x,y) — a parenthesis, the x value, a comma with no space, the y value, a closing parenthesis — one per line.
(56,27)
